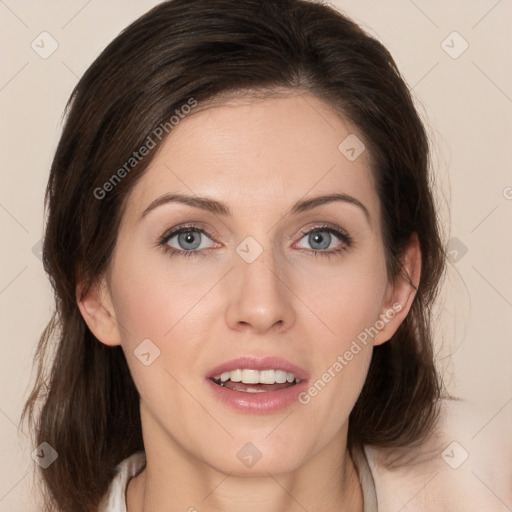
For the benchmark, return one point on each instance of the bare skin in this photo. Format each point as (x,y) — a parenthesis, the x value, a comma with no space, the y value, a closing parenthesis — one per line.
(259,158)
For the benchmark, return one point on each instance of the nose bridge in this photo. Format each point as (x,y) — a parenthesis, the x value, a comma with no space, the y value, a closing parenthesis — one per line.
(260,298)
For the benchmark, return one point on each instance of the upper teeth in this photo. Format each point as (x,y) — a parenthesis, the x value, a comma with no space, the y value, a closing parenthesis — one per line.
(257,377)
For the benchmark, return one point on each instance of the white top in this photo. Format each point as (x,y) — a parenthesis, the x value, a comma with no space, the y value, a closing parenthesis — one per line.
(459,468)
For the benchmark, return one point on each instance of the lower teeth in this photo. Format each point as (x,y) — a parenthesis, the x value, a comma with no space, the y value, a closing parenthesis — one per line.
(248,390)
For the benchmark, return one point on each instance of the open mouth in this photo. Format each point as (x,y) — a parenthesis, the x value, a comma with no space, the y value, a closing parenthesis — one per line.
(256,381)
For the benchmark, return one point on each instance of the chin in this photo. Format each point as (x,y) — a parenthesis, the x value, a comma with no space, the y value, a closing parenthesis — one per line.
(258,457)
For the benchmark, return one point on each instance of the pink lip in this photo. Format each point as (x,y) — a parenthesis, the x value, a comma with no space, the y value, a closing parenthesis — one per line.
(259,363)
(264,402)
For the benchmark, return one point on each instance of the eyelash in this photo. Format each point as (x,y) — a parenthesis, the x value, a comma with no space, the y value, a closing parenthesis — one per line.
(343,236)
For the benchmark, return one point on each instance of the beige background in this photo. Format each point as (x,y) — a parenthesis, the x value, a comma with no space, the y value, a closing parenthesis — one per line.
(468,101)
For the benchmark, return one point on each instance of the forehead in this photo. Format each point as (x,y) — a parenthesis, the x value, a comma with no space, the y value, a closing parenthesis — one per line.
(259,154)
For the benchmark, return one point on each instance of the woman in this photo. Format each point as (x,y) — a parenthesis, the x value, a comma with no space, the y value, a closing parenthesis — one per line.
(244,250)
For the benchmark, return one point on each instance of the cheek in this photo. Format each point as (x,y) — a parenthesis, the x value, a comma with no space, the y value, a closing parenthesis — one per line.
(158,308)
(347,303)
(154,296)
(346,298)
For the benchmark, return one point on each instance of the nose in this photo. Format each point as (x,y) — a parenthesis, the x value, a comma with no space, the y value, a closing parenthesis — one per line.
(260,299)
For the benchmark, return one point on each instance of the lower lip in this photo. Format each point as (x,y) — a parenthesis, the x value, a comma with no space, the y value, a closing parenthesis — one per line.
(264,402)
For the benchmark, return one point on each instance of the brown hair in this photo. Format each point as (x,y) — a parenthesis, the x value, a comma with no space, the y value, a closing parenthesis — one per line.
(206,49)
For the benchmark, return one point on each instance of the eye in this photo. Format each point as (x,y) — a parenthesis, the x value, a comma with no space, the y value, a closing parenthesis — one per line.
(186,240)
(326,240)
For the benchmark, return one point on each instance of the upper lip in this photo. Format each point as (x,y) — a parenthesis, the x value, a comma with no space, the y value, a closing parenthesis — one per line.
(259,363)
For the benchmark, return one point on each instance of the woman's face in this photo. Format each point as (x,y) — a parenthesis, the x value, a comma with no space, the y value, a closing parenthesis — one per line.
(259,273)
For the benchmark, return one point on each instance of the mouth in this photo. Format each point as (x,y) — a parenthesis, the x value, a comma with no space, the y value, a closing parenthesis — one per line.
(249,380)
(257,385)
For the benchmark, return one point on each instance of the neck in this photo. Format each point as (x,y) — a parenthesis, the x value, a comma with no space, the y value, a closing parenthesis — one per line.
(176,480)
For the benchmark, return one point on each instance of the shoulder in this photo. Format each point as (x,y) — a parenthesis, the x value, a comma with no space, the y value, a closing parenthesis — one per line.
(115,498)
(459,467)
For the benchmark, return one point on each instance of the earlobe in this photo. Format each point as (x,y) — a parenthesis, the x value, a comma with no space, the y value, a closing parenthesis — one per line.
(97,310)
(401,292)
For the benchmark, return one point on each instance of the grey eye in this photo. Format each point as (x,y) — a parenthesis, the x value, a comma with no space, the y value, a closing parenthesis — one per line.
(188,240)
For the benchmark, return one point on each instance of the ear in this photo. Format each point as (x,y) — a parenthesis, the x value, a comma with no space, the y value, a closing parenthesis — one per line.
(400,292)
(97,310)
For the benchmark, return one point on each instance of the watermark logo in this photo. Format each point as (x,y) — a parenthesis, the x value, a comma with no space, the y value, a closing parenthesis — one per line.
(45,455)
(454,455)
(147,352)
(37,250)
(351,147)
(157,135)
(249,250)
(44,45)
(456,249)
(249,455)
(454,45)
(343,360)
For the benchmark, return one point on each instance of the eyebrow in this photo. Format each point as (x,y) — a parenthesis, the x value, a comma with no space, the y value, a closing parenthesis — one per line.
(220,208)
